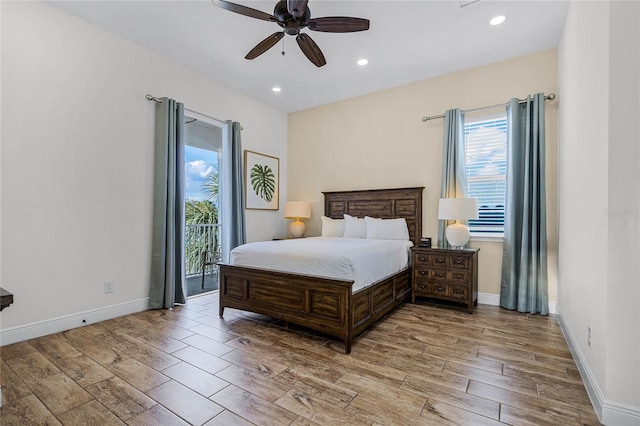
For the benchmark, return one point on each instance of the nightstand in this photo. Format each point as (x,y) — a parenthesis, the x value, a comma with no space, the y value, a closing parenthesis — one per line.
(445,274)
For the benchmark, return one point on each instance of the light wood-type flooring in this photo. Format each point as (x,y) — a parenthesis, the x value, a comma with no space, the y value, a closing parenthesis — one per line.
(422,364)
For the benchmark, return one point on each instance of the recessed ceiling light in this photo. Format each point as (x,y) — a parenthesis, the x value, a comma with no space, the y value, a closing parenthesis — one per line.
(276,89)
(362,62)
(497,20)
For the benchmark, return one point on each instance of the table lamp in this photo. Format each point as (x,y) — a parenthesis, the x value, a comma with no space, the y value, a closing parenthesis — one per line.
(297,210)
(457,209)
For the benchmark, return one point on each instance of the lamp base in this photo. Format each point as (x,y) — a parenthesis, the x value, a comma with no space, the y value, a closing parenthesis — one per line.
(297,228)
(457,235)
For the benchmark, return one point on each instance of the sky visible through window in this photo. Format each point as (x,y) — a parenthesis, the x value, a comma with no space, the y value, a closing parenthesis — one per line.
(199,165)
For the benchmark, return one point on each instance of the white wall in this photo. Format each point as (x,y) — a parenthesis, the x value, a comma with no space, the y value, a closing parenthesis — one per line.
(599,194)
(76,171)
(380,141)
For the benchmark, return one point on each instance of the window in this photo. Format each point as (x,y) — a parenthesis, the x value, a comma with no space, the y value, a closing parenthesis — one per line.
(486,168)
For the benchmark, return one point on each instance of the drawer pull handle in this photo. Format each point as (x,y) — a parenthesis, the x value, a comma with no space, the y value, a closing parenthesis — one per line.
(422,286)
(440,288)
(458,276)
(440,274)
(439,260)
(423,272)
(422,259)
(458,262)
(458,292)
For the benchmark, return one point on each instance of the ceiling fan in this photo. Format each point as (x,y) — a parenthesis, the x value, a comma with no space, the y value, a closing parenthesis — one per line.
(293,16)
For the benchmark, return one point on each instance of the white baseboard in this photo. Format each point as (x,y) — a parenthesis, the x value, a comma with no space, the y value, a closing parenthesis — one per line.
(608,412)
(494,300)
(67,322)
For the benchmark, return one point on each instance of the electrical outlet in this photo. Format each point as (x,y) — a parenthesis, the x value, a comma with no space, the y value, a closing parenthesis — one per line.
(108,287)
(589,336)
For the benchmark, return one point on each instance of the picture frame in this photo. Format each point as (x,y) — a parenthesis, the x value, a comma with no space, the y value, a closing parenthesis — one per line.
(262,181)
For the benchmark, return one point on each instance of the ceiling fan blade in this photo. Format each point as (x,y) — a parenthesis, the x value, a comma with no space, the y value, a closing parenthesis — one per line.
(246,11)
(338,24)
(311,50)
(296,8)
(264,45)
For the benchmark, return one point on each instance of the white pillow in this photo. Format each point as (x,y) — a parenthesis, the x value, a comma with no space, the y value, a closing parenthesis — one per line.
(386,229)
(354,227)
(332,227)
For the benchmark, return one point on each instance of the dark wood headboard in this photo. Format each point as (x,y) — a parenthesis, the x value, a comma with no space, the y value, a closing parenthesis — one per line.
(382,203)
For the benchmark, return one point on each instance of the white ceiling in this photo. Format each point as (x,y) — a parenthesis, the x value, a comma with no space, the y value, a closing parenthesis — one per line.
(407,41)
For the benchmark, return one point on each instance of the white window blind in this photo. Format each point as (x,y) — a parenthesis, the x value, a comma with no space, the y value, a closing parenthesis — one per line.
(486,168)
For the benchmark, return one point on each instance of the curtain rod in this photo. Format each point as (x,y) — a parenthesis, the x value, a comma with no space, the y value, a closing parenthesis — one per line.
(550,97)
(158,100)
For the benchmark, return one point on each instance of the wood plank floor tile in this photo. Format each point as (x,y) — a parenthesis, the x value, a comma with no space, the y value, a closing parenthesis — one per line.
(204,383)
(516,385)
(82,369)
(149,355)
(156,416)
(227,418)
(208,345)
(201,359)
(253,361)
(384,374)
(373,391)
(90,413)
(16,350)
(525,416)
(186,403)
(26,411)
(138,374)
(13,387)
(120,397)
(33,367)
(319,411)
(59,393)
(434,391)
(213,333)
(331,393)
(259,385)
(93,347)
(449,415)
(515,399)
(323,368)
(423,363)
(252,407)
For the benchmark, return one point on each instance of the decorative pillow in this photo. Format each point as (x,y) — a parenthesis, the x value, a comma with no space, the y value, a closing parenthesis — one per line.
(332,227)
(354,227)
(386,229)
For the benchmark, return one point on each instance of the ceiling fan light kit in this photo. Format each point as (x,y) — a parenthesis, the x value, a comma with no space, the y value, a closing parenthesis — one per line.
(293,16)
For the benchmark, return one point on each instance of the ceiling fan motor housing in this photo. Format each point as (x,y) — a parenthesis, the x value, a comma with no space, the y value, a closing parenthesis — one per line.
(290,23)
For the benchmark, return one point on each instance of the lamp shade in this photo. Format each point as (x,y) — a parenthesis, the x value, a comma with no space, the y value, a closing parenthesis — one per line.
(457,208)
(297,210)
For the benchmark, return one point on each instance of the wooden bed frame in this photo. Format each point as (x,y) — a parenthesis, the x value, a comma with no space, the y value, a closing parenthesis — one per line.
(324,304)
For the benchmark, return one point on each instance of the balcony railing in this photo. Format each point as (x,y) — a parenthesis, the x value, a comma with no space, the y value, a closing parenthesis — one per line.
(200,241)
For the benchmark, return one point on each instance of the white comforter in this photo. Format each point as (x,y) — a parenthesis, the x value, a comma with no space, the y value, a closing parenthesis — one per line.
(365,261)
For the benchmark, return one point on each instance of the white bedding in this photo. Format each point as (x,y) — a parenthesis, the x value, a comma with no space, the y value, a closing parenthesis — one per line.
(365,261)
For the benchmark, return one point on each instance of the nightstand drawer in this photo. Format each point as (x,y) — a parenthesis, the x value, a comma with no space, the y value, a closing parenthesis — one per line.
(421,271)
(438,275)
(421,259)
(422,288)
(459,277)
(458,292)
(439,290)
(459,262)
(439,260)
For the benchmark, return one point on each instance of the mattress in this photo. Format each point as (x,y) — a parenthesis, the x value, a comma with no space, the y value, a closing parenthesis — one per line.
(363,261)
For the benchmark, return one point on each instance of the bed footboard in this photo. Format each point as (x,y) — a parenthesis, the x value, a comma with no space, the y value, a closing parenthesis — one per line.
(322,304)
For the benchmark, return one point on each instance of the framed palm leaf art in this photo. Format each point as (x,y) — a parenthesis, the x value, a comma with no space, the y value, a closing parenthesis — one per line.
(262,181)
